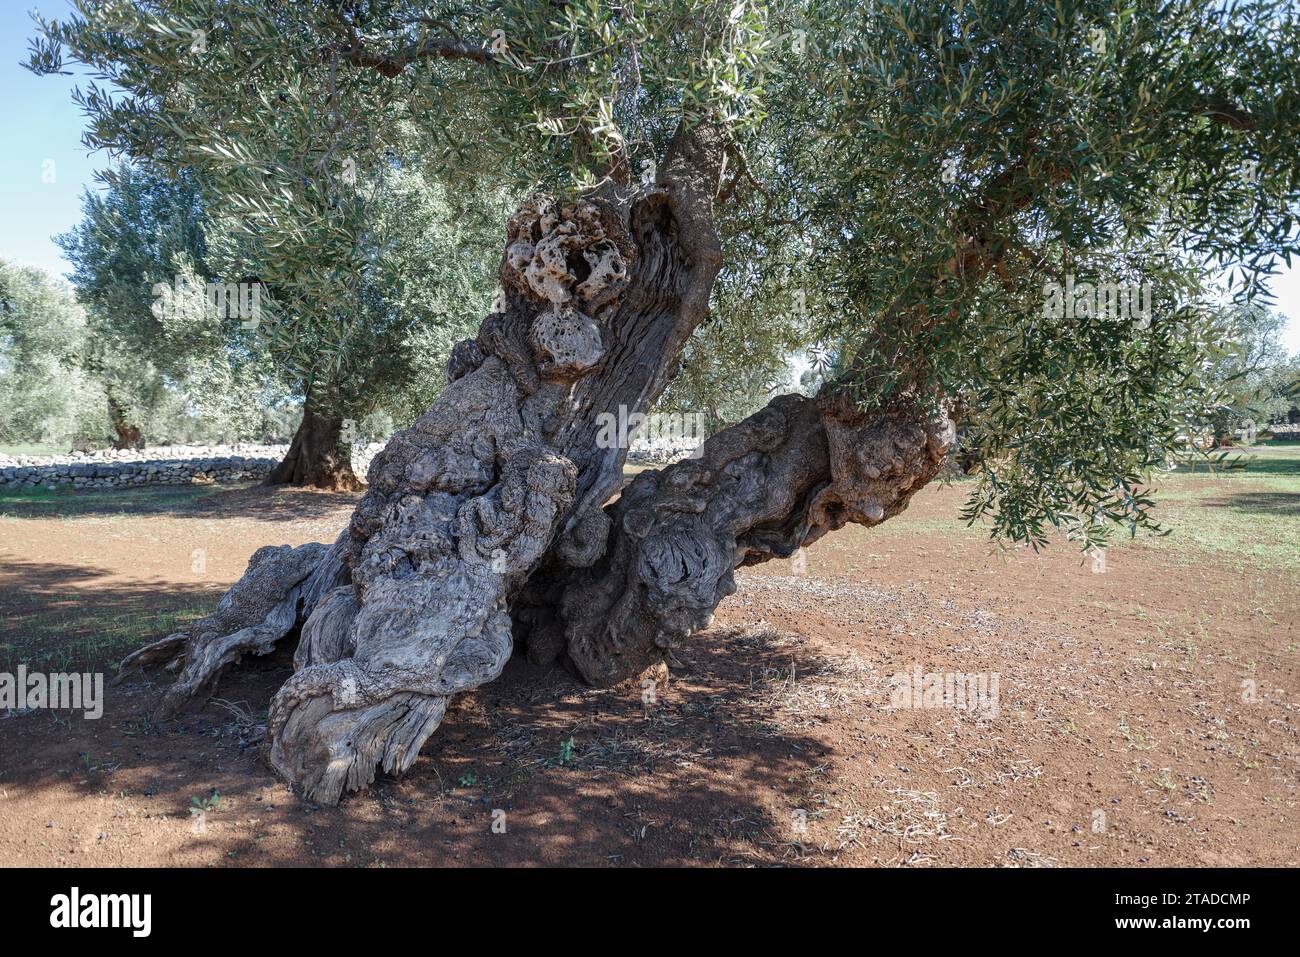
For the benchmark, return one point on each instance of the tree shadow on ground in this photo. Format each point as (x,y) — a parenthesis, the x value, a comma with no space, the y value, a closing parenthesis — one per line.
(1260,503)
(534,768)
(238,500)
(58,617)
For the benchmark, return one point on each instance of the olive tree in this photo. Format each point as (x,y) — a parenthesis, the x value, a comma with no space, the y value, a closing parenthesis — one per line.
(170,365)
(139,232)
(1252,372)
(993,212)
(45,395)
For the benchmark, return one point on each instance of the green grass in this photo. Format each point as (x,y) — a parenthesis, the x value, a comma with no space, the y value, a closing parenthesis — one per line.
(33,448)
(66,503)
(83,631)
(1249,515)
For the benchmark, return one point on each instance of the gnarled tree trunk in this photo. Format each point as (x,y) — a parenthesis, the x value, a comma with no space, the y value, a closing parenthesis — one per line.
(316,457)
(490,520)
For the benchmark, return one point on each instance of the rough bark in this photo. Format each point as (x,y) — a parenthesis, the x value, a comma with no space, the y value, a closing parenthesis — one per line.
(597,299)
(774,483)
(316,457)
(494,515)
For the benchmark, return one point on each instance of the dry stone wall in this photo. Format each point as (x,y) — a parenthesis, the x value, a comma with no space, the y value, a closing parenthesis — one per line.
(202,464)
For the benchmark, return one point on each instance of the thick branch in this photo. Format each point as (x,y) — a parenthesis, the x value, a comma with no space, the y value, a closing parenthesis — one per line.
(1229,115)
(392,64)
(760,490)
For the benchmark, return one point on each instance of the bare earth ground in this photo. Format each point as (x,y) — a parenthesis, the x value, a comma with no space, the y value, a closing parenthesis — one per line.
(1126,733)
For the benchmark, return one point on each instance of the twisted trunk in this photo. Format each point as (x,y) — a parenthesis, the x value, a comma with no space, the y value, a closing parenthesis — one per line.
(770,485)
(491,518)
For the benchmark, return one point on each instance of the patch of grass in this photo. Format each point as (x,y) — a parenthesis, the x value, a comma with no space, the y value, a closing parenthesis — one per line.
(1262,458)
(33,448)
(1249,514)
(907,526)
(66,503)
(76,632)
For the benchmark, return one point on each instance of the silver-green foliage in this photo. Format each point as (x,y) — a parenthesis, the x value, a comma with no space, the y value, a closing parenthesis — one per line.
(918,171)
(45,397)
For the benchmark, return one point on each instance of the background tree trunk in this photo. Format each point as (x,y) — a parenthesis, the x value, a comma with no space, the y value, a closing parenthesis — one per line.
(317,457)
(127,435)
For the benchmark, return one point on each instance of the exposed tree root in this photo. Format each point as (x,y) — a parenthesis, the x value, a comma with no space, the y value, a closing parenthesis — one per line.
(327,750)
(279,588)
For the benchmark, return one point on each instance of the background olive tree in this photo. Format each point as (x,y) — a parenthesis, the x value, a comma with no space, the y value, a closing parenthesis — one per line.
(46,398)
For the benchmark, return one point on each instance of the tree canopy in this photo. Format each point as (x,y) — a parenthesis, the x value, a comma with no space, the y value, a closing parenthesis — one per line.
(45,394)
(908,185)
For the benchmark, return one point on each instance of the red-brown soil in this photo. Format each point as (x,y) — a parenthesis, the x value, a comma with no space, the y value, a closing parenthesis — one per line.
(1122,735)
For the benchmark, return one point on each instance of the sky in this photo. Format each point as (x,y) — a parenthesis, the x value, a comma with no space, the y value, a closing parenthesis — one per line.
(44,168)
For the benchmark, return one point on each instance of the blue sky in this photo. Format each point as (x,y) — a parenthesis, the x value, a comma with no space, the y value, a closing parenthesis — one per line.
(44,167)
(39,126)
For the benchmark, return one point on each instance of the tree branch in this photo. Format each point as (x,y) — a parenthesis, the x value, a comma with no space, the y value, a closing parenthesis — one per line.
(1229,115)
(391,65)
